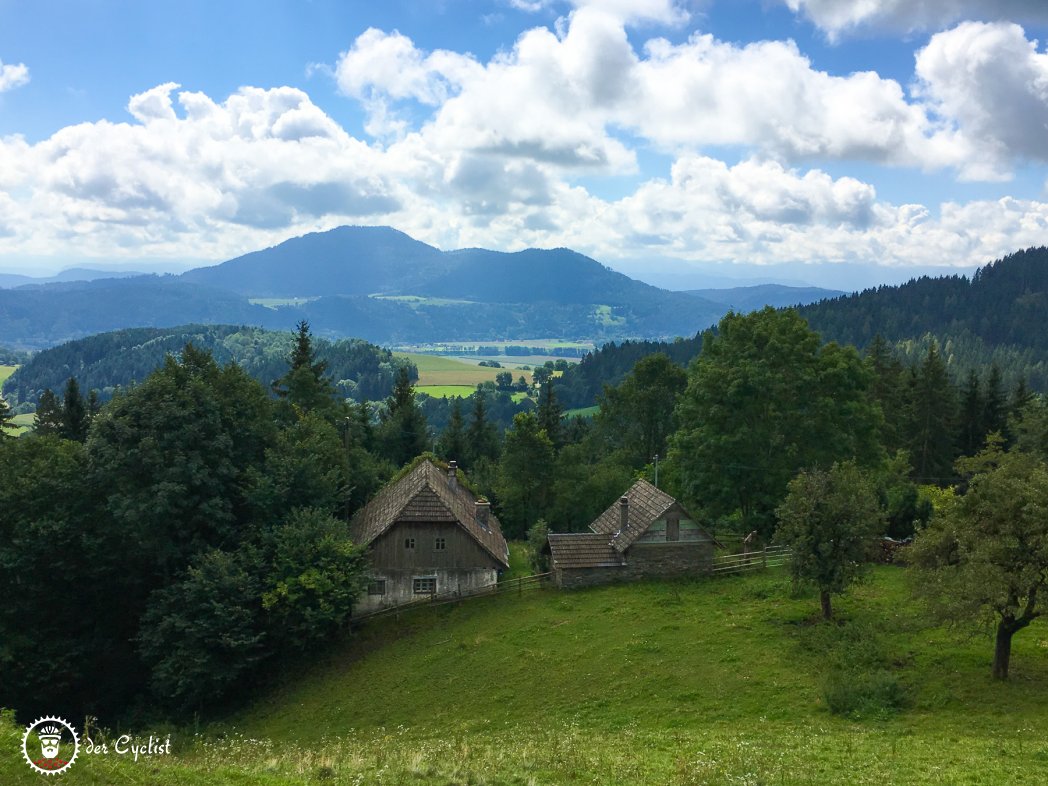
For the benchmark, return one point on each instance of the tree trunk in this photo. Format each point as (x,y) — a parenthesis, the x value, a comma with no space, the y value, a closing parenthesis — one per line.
(1002,651)
(827,609)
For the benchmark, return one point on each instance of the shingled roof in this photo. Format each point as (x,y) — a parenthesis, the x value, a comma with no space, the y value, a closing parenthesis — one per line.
(583,550)
(426,494)
(647,504)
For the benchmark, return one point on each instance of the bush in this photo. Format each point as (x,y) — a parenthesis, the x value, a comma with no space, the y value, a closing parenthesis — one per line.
(861,693)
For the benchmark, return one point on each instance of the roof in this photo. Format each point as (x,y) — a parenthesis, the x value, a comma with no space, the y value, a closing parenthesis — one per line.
(425,494)
(583,550)
(647,504)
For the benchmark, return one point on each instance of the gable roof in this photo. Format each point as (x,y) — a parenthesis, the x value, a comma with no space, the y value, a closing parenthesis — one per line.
(583,550)
(425,494)
(647,504)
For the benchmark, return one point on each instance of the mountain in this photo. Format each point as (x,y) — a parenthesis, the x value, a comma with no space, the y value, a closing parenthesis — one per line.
(752,298)
(116,359)
(343,261)
(10,280)
(42,316)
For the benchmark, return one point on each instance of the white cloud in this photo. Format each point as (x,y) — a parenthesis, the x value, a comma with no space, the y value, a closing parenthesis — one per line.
(841,16)
(12,76)
(990,81)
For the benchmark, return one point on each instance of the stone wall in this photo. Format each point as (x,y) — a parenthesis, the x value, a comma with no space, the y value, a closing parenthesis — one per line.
(644,560)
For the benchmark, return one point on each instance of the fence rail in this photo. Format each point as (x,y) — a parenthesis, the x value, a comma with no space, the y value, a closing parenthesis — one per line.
(770,557)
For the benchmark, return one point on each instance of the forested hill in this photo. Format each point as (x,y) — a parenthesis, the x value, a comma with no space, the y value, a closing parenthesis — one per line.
(116,359)
(997,317)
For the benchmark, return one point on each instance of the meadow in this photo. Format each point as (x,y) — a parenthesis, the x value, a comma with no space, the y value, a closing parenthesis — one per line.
(712,681)
(436,370)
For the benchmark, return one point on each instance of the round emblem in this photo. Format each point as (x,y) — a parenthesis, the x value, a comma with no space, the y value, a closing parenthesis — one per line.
(50,745)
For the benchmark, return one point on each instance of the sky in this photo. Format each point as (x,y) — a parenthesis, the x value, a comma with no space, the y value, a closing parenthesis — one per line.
(825,141)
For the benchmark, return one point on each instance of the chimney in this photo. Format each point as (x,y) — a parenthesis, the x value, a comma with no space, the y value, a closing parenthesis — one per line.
(452,477)
(624,513)
(481,508)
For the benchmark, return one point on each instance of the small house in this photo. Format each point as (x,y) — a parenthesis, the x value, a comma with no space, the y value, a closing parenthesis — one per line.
(426,534)
(645,533)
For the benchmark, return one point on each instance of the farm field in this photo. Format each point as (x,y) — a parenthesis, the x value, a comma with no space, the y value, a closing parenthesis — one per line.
(5,372)
(443,371)
(457,391)
(713,681)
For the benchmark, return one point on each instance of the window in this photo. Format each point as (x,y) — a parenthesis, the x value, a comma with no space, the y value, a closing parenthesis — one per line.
(377,587)
(409,543)
(439,544)
(424,585)
(673,529)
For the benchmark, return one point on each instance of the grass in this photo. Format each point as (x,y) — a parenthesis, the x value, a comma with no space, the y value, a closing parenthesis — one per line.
(707,682)
(582,412)
(276,302)
(446,391)
(5,372)
(435,370)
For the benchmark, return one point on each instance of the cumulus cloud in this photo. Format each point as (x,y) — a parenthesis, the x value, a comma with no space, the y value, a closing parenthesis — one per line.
(840,16)
(990,81)
(12,76)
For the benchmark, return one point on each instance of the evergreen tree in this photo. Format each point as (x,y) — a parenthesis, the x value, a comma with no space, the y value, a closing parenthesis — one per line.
(94,405)
(932,413)
(549,414)
(48,420)
(525,476)
(482,442)
(75,418)
(403,434)
(305,386)
(6,417)
(452,443)
(995,403)
(971,416)
(887,388)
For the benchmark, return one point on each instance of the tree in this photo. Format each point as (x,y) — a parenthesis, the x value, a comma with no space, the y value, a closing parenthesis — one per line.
(985,555)
(971,416)
(314,576)
(305,386)
(525,475)
(995,403)
(504,380)
(765,400)
(887,388)
(828,520)
(75,417)
(403,434)
(932,413)
(637,416)
(6,417)
(549,414)
(203,634)
(452,442)
(482,441)
(48,419)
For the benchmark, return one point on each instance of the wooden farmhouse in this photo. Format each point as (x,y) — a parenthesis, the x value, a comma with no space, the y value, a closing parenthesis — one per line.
(645,533)
(427,534)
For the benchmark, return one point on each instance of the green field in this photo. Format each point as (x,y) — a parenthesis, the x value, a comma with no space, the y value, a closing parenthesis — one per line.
(5,372)
(442,371)
(719,681)
(276,302)
(457,391)
(582,412)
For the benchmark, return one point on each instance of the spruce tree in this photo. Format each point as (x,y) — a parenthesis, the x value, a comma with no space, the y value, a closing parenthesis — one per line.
(403,434)
(75,418)
(452,444)
(6,416)
(481,437)
(550,414)
(995,403)
(48,420)
(305,386)
(971,416)
(932,413)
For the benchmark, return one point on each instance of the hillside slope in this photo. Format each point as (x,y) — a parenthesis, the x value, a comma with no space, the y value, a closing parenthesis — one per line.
(705,682)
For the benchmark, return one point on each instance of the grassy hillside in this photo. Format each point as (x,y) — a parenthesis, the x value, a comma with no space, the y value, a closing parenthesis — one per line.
(435,370)
(709,682)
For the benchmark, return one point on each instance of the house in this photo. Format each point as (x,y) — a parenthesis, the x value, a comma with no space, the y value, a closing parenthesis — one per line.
(426,534)
(645,533)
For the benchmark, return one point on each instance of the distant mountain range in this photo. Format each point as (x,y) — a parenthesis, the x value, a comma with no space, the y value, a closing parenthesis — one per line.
(10,280)
(381,285)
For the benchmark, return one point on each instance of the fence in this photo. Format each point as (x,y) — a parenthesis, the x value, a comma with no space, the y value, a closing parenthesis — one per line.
(769,557)
(517,586)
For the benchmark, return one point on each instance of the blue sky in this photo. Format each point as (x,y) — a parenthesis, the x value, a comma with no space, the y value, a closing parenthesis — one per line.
(766,136)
